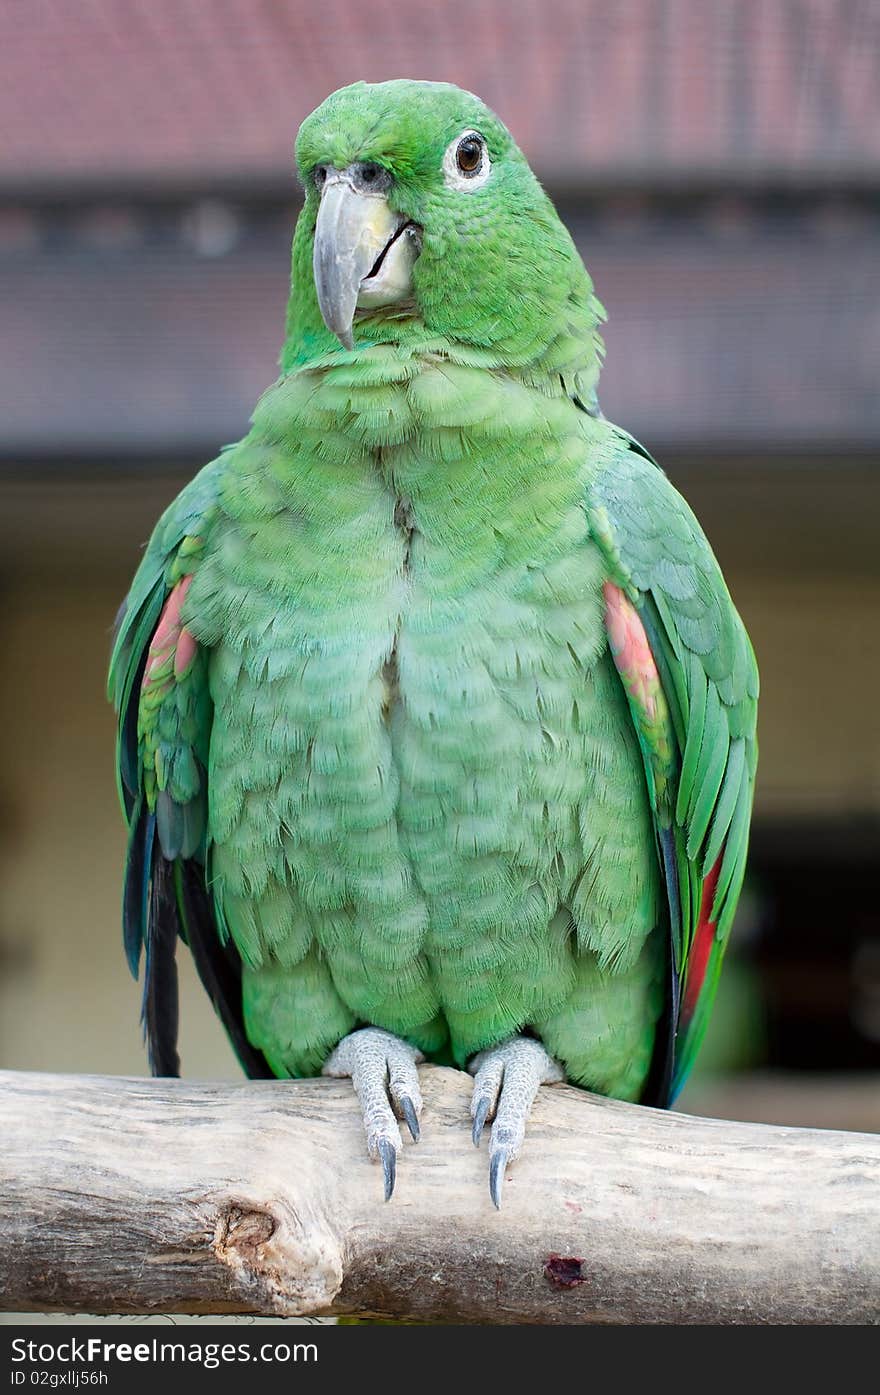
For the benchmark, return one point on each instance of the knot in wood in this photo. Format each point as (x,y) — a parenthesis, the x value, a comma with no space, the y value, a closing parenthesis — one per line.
(244,1230)
(283,1261)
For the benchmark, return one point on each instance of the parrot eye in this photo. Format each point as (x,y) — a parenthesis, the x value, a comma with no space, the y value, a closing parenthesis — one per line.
(466,164)
(469,154)
(320,174)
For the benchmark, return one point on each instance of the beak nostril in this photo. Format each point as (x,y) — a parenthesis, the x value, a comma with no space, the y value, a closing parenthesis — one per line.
(369,177)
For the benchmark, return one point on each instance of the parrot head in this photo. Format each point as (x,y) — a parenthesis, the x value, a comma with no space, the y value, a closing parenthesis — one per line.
(422,217)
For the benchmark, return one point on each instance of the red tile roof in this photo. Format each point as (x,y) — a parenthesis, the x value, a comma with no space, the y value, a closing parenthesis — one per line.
(146,90)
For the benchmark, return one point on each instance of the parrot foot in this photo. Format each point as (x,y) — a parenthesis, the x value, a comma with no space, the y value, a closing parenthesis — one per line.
(382,1069)
(507,1079)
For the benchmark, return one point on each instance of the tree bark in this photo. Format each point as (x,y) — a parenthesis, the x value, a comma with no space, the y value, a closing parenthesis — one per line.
(145,1196)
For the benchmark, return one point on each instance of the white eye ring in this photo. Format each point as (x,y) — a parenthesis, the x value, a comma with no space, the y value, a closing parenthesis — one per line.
(456,178)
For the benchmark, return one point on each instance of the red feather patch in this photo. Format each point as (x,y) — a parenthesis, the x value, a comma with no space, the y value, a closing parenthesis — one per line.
(172,647)
(701,949)
(631,650)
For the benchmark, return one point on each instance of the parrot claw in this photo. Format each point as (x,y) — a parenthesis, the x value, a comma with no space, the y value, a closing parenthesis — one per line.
(480,1111)
(506,1080)
(382,1069)
(388,1154)
(497,1164)
(407,1109)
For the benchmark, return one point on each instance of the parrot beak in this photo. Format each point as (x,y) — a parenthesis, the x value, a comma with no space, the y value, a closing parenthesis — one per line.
(364,253)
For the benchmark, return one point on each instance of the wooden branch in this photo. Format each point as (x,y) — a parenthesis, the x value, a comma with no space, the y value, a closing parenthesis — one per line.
(137,1196)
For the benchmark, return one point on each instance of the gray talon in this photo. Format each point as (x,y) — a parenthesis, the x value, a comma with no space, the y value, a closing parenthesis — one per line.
(383,1071)
(497,1164)
(507,1078)
(388,1154)
(411,1119)
(480,1114)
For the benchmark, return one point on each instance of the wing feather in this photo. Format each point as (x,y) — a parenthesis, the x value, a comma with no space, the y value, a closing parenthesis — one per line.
(659,558)
(159,683)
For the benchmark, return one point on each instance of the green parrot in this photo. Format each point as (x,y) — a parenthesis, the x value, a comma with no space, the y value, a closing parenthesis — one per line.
(436,718)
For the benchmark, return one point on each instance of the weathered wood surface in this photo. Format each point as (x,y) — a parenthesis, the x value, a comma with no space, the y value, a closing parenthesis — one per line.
(138,1196)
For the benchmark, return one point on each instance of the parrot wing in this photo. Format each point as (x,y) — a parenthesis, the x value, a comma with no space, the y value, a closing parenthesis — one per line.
(159,684)
(691,680)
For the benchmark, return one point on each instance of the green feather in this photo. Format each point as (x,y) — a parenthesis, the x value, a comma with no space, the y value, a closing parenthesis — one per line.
(705,660)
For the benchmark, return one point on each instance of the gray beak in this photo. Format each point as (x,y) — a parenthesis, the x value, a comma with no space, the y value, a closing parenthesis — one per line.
(355,227)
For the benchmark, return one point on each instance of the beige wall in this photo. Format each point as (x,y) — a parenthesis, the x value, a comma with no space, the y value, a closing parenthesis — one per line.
(67,1001)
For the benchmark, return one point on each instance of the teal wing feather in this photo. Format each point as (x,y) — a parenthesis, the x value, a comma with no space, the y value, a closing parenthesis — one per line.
(158,682)
(139,615)
(697,733)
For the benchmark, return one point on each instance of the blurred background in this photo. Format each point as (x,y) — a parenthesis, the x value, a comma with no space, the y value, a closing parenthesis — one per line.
(719,166)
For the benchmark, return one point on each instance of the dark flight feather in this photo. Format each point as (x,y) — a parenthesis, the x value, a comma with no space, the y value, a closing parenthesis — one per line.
(160,1005)
(218,965)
